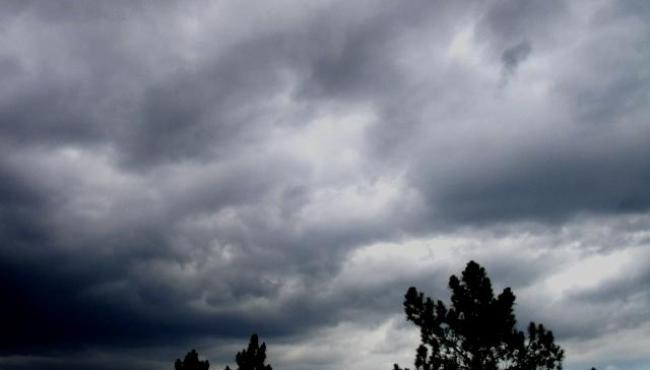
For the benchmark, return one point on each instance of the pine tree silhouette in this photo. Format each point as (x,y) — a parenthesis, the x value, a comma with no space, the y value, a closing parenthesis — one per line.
(477,332)
(253,357)
(191,362)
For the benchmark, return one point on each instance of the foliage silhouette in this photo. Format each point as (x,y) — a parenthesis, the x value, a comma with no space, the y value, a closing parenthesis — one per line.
(477,332)
(191,362)
(253,357)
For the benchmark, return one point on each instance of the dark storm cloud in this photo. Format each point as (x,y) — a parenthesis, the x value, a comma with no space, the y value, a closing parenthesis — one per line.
(52,113)
(211,111)
(20,208)
(553,183)
(106,283)
(511,57)
(43,305)
(197,111)
(504,23)
(341,55)
(166,174)
(593,160)
(77,11)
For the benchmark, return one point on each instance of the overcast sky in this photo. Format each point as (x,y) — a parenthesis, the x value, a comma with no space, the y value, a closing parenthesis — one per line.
(178,175)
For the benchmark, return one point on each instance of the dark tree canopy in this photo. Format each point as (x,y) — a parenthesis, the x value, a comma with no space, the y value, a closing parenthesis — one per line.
(477,332)
(191,362)
(253,357)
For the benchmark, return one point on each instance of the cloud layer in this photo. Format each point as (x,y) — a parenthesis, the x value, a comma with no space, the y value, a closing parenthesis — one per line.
(181,175)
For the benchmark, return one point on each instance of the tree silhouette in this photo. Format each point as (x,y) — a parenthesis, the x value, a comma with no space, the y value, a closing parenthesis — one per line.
(253,357)
(191,362)
(477,332)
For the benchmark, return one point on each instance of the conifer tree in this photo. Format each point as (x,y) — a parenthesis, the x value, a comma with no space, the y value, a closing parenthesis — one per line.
(253,357)
(477,331)
(191,362)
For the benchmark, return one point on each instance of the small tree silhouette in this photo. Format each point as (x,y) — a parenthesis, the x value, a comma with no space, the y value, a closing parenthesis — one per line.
(253,357)
(477,332)
(191,362)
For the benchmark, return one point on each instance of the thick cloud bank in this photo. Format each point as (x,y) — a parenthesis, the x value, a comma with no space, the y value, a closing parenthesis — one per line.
(178,175)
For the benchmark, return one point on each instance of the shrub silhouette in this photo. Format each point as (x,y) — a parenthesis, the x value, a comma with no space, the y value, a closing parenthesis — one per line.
(477,332)
(253,357)
(191,362)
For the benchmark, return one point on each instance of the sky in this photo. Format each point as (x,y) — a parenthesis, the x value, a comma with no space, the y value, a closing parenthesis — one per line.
(178,175)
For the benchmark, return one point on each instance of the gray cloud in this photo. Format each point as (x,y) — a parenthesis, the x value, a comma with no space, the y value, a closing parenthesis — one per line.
(504,23)
(514,55)
(173,175)
(551,182)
